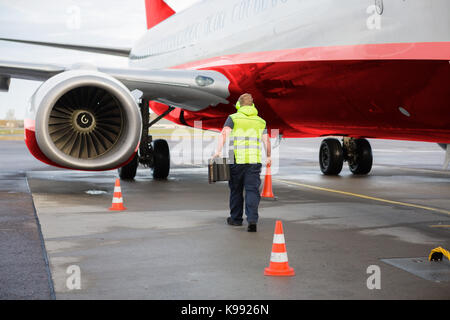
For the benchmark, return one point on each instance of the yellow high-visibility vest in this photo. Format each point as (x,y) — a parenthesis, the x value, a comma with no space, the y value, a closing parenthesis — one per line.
(246,135)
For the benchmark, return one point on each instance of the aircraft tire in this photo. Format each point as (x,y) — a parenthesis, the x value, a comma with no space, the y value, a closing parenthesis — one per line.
(331,157)
(128,171)
(161,159)
(362,164)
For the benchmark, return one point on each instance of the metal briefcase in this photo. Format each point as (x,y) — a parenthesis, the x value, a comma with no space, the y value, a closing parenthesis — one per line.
(218,170)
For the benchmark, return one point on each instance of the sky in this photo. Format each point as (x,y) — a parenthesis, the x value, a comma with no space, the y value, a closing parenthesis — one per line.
(89,22)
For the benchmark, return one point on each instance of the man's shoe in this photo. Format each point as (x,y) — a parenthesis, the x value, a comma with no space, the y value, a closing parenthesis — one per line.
(251,227)
(233,223)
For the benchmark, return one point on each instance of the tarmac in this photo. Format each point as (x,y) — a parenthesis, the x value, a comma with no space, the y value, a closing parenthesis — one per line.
(173,242)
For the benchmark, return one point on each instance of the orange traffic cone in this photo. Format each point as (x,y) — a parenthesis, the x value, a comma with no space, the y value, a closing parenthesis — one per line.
(267,188)
(278,259)
(117,201)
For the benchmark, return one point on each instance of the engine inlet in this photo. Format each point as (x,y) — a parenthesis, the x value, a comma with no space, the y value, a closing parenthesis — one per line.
(86,122)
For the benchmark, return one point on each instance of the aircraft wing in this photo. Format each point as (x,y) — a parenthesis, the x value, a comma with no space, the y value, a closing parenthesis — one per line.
(187,89)
(192,90)
(28,71)
(115,51)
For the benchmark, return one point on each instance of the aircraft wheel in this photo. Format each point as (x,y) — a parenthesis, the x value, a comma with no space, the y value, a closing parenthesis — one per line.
(128,171)
(161,159)
(331,157)
(362,158)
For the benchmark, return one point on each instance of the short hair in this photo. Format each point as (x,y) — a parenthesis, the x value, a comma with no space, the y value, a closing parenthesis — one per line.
(245,99)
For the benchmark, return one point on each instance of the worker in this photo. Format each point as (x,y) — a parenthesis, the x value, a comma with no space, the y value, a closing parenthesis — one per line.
(245,130)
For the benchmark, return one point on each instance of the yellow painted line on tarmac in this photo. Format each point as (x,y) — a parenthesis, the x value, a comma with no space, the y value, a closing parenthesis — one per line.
(440,226)
(357,195)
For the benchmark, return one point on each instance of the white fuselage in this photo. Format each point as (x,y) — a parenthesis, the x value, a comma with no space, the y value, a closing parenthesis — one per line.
(217,28)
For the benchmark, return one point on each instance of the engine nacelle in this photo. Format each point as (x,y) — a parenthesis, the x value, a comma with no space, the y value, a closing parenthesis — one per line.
(86,120)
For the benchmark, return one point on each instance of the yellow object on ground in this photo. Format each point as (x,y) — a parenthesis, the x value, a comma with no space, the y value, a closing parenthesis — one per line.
(438,253)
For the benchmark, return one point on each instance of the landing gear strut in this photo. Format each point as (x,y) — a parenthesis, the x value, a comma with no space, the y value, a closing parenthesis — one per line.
(151,154)
(357,152)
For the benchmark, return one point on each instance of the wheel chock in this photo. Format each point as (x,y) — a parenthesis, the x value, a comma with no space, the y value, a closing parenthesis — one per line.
(437,254)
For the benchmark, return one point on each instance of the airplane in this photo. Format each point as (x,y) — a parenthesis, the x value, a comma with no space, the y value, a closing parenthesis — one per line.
(356,69)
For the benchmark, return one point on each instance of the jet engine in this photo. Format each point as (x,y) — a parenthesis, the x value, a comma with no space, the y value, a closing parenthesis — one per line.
(86,120)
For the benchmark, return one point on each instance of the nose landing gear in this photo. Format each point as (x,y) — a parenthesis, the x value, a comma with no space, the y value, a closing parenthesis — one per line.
(151,154)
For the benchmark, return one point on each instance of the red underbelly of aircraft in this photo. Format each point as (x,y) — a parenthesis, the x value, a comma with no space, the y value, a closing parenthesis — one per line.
(399,97)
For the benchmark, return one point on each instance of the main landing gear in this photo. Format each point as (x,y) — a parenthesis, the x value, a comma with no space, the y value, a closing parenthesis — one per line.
(152,154)
(357,152)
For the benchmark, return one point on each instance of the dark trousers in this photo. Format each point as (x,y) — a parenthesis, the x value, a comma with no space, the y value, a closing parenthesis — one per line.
(244,177)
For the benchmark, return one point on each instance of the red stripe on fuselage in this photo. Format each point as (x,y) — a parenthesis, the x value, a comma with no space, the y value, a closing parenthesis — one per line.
(387,51)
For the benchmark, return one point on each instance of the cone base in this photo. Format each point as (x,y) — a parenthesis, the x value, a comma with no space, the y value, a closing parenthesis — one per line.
(117,209)
(273,198)
(280,273)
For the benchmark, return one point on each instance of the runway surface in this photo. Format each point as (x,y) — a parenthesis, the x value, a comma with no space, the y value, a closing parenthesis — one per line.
(172,242)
